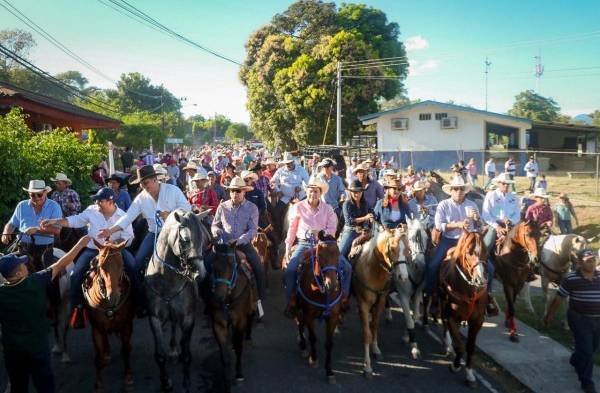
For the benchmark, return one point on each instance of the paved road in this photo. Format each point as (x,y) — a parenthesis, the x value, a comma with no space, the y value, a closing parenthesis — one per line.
(273,362)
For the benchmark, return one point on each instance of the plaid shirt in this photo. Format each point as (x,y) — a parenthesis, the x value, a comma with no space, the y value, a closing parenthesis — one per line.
(263,184)
(68,201)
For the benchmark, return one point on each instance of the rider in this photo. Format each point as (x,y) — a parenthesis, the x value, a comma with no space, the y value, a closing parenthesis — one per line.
(500,212)
(154,203)
(372,189)
(357,217)
(26,218)
(540,211)
(204,198)
(452,216)
(122,198)
(422,204)
(255,196)
(392,209)
(66,197)
(236,221)
(104,211)
(336,190)
(287,182)
(308,218)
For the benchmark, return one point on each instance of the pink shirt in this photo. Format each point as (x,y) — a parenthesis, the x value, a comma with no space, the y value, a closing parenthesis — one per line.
(472,168)
(304,219)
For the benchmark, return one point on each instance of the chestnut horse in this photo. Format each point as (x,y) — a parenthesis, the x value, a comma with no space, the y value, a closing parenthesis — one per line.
(110,307)
(463,286)
(514,261)
(319,294)
(371,281)
(264,248)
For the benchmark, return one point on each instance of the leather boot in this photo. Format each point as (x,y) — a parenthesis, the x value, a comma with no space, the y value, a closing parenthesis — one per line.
(291,308)
(491,309)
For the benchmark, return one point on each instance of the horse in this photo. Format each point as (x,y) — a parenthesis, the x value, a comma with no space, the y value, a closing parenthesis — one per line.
(171,288)
(371,281)
(516,258)
(319,296)
(264,248)
(409,278)
(232,304)
(463,285)
(109,305)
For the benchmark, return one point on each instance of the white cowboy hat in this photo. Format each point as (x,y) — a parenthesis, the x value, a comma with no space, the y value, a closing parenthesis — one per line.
(161,171)
(540,193)
(287,158)
(389,172)
(360,167)
(457,181)
(315,182)
(269,161)
(62,177)
(191,165)
(419,185)
(37,186)
(237,183)
(246,174)
(201,175)
(503,178)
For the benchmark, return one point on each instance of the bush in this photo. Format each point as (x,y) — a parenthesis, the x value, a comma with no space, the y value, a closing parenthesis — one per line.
(29,155)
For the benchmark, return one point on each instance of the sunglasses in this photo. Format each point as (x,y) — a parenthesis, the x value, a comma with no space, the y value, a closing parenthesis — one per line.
(460,189)
(36,194)
(235,191)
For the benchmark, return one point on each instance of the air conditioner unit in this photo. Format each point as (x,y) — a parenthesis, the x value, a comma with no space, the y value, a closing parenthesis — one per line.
(400,124)
(449,122)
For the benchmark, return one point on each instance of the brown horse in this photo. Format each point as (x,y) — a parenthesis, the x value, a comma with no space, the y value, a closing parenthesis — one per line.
(463,285)
(232,304)
(264,248)
(371,281)
(514,262)
(319,295)
(110,307)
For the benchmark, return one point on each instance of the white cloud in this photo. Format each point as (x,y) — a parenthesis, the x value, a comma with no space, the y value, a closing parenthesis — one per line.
(416,43)
(420,68)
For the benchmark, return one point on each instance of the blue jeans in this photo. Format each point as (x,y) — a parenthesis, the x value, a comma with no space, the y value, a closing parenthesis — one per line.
(21,365)
(292,269)
(565,227)
(347,237)
(489,240)
(586,333)
(144,252)
(432,271)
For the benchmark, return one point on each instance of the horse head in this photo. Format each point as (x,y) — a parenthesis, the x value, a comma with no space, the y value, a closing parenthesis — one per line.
(110,269)
(527,235)
(327,256)
(392,245)
(225,270)
(470,256)
(417,239)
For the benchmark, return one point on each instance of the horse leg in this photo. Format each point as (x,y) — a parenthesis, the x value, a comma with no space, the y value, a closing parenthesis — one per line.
(238,342)
(417,301)
(173,350)
(379,306)
(474,327)
(160,353)
(126,351)
(220,331)
(99,339)
(510,296)
(367,336)
(330,331)
(106,348)
(312,339)
(301,338)
(187,327)
(457,343)
(527,298)
(410,325)
(62,329)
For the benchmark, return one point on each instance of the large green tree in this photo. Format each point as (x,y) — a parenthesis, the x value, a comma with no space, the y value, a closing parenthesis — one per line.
(237,131)
(290,70)
(136,93)
(532,106)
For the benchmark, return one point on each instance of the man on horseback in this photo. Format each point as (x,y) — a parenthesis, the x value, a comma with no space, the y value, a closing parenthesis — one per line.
(66,197)
(336,190)
(422,205)
(308,218)
(287,182)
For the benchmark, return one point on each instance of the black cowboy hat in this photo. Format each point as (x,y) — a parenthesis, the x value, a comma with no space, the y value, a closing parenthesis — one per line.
(143,173)
(115,177)
(356,186)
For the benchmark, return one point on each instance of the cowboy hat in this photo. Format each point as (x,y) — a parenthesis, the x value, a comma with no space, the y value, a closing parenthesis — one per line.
(389,172)
(393,183)
(315,182)
(246,174)
(457,181)
(114,177)
(356,186)
(237,183)
(37,186)
(419,185)
(503,178)
(142,174)
(191,165)
(201,175)
(540,193)
(161,171)
(360,167)
(326,163)
(269,161)
(62,177)
(287,158)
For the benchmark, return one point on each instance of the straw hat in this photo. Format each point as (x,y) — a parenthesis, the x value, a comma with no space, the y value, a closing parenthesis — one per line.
(457,181)
(237,183)
(315,182)
(419,185)
(191,165)
(37,186)
(269,161)
(540,193)
(287,158)
(62,177)
(360,167)
(389,172)
(161,171)
(503,178)
(200,176)
(249,174)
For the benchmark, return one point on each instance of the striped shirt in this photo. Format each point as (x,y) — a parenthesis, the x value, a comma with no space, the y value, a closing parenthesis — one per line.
(584,295)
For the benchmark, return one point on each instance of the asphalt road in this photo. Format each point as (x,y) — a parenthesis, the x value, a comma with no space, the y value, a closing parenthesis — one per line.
(272,363)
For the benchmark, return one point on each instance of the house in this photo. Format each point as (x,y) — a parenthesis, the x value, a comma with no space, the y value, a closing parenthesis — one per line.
(434,135)
(46,113)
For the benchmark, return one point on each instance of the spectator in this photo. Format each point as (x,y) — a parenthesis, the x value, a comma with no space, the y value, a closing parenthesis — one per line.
(66,197)
(127,159)
(510,167)
(542,183)
(564,210)
(472,171)
(173,172)
(531,171)
(490,171)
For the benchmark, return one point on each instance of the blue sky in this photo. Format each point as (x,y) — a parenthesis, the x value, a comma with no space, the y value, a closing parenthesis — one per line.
(449,41)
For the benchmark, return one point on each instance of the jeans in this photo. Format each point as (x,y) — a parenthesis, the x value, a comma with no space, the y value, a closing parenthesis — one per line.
(292,269)
(347,237)
(279,212)
(586,333)
(511,176)
(489,240)
(21,365)
(144,252)
(433,267)
(565,227)
(473,179)
(490,177)
(532,183)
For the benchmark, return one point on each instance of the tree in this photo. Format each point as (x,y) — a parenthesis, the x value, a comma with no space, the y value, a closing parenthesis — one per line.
(535,107)
(237,131)
(290,68)
(396,102)
(135,93)
(18,41)
(595,118)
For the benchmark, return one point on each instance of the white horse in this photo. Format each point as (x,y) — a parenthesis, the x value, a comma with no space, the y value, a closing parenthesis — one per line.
(409,280)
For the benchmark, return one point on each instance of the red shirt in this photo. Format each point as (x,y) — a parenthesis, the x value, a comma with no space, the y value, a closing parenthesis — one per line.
(207,197)
(542,214)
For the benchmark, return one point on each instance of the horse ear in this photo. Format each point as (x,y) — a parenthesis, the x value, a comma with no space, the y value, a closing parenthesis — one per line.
(100,246)
(201,215)
(120,246)
(177,214)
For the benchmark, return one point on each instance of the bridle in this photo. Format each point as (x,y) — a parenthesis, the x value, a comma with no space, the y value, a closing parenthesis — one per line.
(109,311)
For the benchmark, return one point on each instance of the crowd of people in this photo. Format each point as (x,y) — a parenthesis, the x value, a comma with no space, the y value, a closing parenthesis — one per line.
(245,190)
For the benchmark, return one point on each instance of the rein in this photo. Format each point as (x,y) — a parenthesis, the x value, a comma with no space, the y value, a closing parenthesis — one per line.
(109,312)
(183,272)
(230,283)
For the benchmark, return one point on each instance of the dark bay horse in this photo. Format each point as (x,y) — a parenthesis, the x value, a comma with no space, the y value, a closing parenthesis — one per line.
(232,305)
(171,286)
(514,261)
(463,285)
(319,295)
(109,304)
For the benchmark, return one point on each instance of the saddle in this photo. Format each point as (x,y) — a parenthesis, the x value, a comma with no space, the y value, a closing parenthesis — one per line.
(357,243)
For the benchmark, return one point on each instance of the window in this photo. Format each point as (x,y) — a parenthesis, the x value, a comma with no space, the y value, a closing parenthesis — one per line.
(399,123)
(424,116)
(440,116)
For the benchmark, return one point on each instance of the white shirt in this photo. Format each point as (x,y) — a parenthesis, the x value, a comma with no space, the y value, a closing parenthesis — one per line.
(349,175)
(490,167)
(531,169)
(95,221)
(286,181)
(498,206)
(510,167)
(170,198)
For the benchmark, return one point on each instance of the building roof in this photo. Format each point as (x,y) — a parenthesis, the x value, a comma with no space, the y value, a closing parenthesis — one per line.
(9,90)
(445,106)
(565,126)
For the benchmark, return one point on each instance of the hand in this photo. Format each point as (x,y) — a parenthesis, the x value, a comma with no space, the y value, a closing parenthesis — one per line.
(501,231)
(104,233)
(163,215)
(465,224)
(370,216)
(46,223)
(286,258)
(6,238)
(32,231)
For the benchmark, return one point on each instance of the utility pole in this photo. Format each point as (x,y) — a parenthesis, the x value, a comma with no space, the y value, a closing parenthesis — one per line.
(338,123)
(162,111)
(487,71)
(539,71)
(215,128)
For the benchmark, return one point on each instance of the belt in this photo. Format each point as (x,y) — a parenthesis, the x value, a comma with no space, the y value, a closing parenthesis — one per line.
(585,315)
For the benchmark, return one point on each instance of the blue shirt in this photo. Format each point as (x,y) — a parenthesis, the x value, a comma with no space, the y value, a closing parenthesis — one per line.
(258,198)
(384,214)
(373,191)
(123,200)
(351,212)
(335,192)
(25,217)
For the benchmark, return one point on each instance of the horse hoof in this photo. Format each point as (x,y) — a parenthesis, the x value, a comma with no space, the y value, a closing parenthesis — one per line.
(173,354)
(304,353)
(331,379)
(454,369)
(514,337)
(56,349)
(106,358)
(368,374)
(471,384)
(313,363)
(415,353)
(65,359)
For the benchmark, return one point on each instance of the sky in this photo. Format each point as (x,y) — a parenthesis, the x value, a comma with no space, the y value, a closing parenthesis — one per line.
(447,43)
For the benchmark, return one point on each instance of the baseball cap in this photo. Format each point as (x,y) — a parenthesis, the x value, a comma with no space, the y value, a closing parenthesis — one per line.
(9,262)
(104,193)
(586,253)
